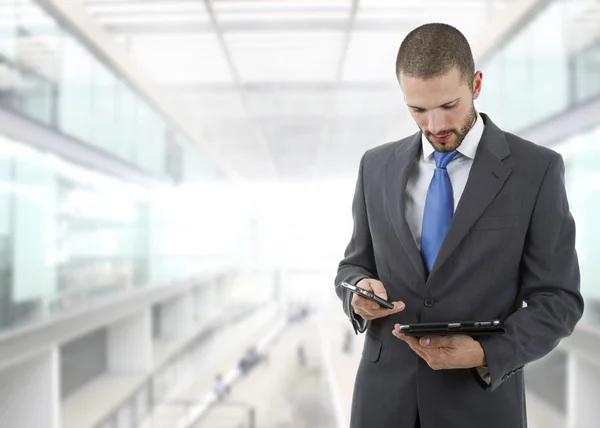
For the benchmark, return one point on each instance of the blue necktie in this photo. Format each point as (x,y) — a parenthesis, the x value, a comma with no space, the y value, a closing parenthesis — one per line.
(439,208)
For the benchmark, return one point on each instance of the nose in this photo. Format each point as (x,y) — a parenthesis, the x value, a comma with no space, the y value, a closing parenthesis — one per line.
(436,122)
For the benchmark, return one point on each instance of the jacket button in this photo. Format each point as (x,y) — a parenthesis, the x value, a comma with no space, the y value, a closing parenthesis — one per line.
(429,302)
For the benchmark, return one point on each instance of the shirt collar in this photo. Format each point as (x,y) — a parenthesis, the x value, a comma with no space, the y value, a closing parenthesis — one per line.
(469,145)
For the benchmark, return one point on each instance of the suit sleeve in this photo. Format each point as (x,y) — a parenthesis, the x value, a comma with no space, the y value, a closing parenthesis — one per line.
(358,261)
(549,284)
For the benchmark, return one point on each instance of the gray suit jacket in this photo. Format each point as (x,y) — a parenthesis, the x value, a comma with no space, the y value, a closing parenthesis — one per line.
(511,240)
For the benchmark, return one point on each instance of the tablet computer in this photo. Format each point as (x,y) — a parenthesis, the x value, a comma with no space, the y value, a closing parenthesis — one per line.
(470,328)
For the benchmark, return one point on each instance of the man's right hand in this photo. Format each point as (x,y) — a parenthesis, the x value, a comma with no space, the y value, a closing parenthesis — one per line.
(368,309)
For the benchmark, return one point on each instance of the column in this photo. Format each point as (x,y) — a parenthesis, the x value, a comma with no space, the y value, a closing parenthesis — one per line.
(211,301)
(130,344)
(176,317)
(583,392)
(29,393)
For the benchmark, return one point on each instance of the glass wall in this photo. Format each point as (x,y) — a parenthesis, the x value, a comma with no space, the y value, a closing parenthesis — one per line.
(549,66)
(586,72)
(47,74)
(583,186)
(70,235)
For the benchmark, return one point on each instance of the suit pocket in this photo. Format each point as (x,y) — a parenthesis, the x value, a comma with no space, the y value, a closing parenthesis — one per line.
(372,348)
(492,223)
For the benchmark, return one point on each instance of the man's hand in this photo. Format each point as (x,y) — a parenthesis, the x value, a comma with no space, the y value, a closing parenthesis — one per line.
(446,352)
(368,309)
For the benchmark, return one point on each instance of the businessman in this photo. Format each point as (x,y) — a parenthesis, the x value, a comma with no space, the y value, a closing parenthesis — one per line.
(460,221)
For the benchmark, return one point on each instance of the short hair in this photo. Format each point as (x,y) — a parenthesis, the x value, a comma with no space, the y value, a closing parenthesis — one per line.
(432,50)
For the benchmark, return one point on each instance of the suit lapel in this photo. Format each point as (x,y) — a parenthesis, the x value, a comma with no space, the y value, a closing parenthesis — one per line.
(486,178)
(397,171)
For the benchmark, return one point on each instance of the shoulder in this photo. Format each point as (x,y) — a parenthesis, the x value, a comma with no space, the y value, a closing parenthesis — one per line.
(382,154)
(531,155)
(530,151)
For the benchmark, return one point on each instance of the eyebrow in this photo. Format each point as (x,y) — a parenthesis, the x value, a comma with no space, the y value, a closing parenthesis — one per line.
(443,105)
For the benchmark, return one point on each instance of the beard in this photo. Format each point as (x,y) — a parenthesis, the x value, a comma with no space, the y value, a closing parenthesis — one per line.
(460,133)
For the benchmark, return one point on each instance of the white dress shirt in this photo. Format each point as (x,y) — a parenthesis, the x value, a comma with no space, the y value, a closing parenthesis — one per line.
(422,173)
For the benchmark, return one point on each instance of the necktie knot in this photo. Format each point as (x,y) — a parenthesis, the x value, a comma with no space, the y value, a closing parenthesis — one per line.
(442,159)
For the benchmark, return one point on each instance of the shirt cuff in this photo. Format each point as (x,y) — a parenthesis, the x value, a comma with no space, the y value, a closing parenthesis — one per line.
(358,323)
(484,373)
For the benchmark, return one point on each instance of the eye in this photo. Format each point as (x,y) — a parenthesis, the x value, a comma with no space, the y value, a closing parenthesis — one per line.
(418,110)
(449,107)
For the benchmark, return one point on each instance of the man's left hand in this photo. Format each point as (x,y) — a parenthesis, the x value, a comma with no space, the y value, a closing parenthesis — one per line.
(446,352)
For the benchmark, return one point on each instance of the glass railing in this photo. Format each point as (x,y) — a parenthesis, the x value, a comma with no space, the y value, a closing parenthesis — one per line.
(70,236)
(48,75)
(156,388)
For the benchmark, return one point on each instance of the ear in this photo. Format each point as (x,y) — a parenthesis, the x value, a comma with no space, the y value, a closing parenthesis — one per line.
(477,79)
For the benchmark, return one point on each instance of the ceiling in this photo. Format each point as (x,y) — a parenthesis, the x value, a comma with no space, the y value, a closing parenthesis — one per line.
(284,89)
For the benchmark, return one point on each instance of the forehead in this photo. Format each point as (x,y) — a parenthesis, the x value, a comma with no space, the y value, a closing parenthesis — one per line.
(433,92)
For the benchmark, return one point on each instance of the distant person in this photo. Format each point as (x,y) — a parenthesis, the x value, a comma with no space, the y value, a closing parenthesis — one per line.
(460,221)
(298,313)
(301,354)
(220,389)
(249,360)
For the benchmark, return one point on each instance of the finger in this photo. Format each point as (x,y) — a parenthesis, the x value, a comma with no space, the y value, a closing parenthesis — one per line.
(363,303)
(365,308)
(379,289)
(398,307)
(376,310)
(412,341)
(437,341)
(383,312)
(399,335)
(364,314)
(397,332)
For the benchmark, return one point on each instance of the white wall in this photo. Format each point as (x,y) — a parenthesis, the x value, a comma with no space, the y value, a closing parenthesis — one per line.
(29,393)
(130,344)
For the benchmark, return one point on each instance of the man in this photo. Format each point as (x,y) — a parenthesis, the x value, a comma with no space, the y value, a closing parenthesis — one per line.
(220,388)
(460,221)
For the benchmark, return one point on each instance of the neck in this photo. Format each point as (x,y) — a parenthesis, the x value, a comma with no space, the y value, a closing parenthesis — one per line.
(474,118)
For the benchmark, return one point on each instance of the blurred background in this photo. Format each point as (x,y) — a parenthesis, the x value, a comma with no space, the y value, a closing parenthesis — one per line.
(175,187)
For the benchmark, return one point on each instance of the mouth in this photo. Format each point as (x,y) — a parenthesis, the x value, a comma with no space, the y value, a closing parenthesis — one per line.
(441,138)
